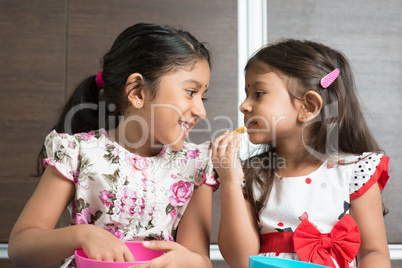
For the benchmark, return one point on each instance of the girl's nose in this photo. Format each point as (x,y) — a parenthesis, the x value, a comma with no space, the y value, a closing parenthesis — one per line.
(199,109)
(245,107)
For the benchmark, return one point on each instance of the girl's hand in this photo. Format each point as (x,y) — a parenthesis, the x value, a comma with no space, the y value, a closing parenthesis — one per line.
(99,244)
(225,157)
(175,255)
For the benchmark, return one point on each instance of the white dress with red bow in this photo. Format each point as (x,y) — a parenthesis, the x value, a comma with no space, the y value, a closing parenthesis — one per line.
(307,218)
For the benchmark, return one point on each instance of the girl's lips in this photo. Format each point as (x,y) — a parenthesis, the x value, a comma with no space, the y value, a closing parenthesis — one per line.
(185,127)
(250,124)
(184,130)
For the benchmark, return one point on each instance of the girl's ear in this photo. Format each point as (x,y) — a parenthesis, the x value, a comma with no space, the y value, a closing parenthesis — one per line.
(312,106)
(134,90)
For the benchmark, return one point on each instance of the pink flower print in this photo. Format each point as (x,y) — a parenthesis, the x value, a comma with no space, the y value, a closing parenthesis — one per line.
(144,183)
(163,151)
(114,231)
(173,176)
(135,203)
(193,154)
(115,151)
(167,236)
(199,164)
(180,192)
(105,196)
(173,213)
(76,175)
(84,217)
(87,136)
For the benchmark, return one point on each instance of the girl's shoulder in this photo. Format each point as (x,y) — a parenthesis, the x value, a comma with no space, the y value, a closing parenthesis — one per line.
(190,151)
(357,158)
(78,137)
(63,151)
(363,171)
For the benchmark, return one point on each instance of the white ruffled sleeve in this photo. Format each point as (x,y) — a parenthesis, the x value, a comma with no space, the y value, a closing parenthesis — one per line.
(62,152)
(369,169)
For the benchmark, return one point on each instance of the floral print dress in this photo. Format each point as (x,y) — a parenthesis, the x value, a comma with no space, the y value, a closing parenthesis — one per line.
(307,218)
(132,197)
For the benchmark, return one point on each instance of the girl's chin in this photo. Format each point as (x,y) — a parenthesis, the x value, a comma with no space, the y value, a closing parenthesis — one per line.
(176,146)
(257,140)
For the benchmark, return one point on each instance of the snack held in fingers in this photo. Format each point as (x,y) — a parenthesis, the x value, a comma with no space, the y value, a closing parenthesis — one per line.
(240,130)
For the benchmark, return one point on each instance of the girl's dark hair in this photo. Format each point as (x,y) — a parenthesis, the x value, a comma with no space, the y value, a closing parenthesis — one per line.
(340,127)
(149,49)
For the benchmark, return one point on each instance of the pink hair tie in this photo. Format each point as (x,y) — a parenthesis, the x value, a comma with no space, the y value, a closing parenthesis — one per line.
(99,80)
(327,80)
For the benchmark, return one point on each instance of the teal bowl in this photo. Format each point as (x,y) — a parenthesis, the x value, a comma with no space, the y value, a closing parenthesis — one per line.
(271,262)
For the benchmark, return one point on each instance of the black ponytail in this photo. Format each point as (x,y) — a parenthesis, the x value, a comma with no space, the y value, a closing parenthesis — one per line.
(81,112)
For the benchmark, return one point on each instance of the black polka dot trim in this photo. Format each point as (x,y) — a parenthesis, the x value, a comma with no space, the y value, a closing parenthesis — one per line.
(363,170)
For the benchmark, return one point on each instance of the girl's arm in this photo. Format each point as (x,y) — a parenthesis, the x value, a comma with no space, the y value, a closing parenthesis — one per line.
(195,227)
(193,234)
(35,242)
(367,212)
(238,232)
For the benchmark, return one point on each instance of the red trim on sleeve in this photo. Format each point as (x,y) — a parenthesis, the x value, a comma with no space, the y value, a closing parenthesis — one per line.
(380,175)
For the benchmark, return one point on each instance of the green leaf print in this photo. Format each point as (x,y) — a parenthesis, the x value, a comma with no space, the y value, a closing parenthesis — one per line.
(59,154)
(111,157)
(155,237)
(81,205)
(95,217)
(169,209)
(85,163)
(149,226)
(111,178)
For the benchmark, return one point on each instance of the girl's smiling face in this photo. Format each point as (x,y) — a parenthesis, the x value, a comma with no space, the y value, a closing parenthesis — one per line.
(269,114)
(179,105)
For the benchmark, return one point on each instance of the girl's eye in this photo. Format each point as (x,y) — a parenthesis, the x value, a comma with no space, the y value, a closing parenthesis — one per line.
(190,92)
(259,94)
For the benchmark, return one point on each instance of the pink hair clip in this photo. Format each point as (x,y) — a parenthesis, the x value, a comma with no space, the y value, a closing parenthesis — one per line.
(99,80)
(327,80)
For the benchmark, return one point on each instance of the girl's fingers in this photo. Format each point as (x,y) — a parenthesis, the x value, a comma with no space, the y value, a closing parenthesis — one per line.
(160,245)
(119,258)
(128,256)
(231,142)
(225,145)
(217,143)
(218,139)
(160,261)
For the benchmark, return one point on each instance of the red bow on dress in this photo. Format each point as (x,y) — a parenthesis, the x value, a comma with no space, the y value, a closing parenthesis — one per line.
(342,243)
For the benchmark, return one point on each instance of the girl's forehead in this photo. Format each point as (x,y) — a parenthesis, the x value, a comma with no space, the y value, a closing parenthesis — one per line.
(259,78)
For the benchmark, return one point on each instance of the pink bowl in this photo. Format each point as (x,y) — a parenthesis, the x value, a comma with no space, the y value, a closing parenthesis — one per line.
(141,255)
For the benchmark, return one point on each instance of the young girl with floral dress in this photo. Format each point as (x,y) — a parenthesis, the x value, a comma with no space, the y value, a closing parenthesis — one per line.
(118,160)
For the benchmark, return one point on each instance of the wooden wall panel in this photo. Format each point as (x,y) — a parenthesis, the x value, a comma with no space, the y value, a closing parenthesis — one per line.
(92,29)
(369,33)
(32,42)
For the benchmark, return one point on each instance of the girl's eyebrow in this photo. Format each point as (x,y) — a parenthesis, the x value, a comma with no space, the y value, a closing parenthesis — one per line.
(198,84)
(259,83)
(256,84)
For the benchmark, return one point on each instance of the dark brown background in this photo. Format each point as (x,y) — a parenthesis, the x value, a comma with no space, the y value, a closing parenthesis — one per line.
(48,46)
